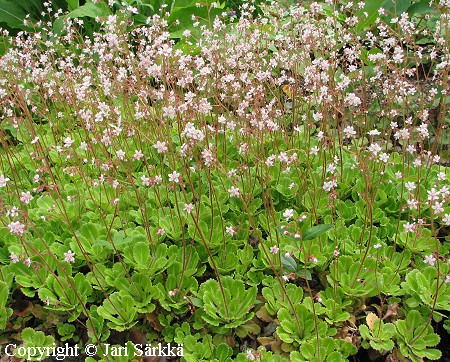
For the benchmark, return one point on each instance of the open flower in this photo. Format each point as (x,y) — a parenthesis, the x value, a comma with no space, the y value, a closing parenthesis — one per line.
(188,208)
(234,191)
(16,228)
(174,177)
(288,214)
(161,147)
(69,256)
(3,180)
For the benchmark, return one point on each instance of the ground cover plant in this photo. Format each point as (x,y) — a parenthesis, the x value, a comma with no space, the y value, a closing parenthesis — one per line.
(268,183)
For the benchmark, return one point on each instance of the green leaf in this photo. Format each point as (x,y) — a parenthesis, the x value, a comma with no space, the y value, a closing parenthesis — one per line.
(90,231)
(420,8)
(13,12)
(222,352)
(316,231)
(141,254)
(433,354)
(73,4)
(289,263)
(89,10)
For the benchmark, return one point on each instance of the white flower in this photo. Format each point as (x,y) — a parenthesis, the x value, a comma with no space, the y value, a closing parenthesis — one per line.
(208,157)
(68,142)
(402,134)
(161,147)
(146,181)
(16,228)
(430,260)
(409,228)
(188,208)
(377,246)
(446,219)
(433,194)
(69,256)
(120,154)
(437,207)
(230,230)
(158,179)
(314,150)
(14,258)
(26,197)
(352,100)
(3,180)
(374,132)
(271,160)
(250,356)
(410,186)
(137,155)
(13,212)
(288,214)
(234,191)
(413,204)
(169,112)
(329,185)
(349,131)
(274,249)
(375,148)
(174,177)
(384,157)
